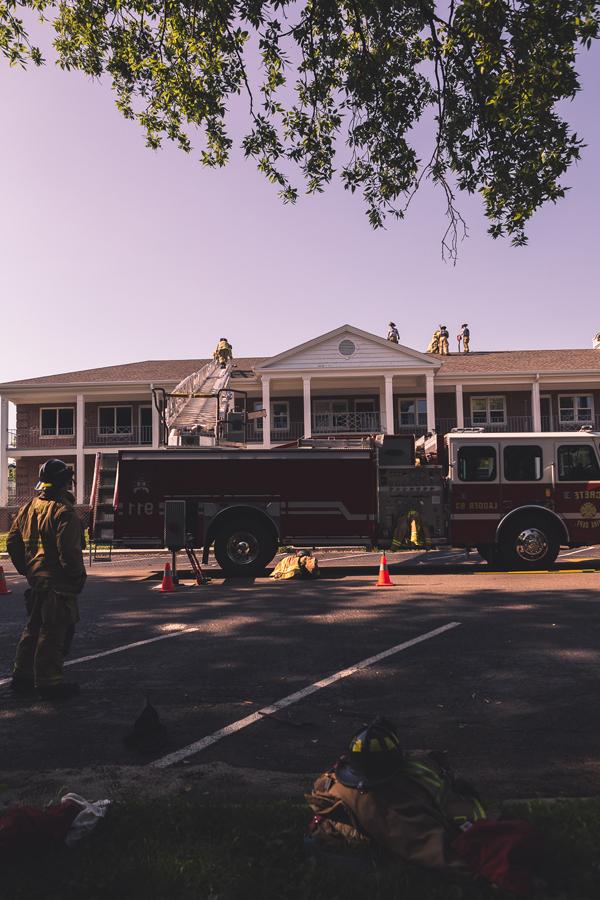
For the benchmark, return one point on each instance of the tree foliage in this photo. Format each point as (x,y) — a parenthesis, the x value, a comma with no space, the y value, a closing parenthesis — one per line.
(340,85)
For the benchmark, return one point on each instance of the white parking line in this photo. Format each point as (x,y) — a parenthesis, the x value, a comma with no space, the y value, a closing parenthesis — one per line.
(171,758)
(571,552)
(161,637)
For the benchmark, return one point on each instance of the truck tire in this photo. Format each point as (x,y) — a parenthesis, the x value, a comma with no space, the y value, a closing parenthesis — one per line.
(529,543)
(489,552)
(244,546)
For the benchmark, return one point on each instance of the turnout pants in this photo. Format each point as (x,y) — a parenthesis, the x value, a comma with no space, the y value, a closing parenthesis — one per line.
(47,636)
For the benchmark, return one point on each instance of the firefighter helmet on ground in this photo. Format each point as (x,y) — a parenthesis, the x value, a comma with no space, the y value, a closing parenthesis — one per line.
(54,473)
(374,755)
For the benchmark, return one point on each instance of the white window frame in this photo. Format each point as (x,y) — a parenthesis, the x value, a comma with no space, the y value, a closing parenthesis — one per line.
(576,420)
(487,398)
(285,403)
(417,413)
(114,407)
(56,434)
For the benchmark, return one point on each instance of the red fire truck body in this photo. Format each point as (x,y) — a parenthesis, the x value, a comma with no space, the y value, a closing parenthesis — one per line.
(516,497)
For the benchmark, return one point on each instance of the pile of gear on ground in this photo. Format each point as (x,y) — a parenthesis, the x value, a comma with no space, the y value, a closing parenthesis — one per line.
(379,804)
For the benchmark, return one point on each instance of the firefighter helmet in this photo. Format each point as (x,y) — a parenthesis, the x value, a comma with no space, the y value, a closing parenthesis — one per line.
(464,325)
(374,755)
(54,473)
(392,324)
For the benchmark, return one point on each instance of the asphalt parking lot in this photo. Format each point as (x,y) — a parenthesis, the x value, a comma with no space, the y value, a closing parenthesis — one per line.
(498,669)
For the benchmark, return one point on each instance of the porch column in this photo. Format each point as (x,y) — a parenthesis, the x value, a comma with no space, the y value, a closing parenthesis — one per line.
(156,435)
(460,408)
(307,406)
(80,441)
(430,401)
(536,408)
(266,402)
(3,451)
(389,404)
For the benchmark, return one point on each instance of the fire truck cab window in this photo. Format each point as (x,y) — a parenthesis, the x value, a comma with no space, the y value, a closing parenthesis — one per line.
(522,462)
(577,462)
(477,463)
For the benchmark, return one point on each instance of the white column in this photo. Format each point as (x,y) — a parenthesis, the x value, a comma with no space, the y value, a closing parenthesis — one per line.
(430,401)
(460,407)
(388,422)
(266,402)
(80,435)
(536,407)
(155,422)
(3,451)
(307,407)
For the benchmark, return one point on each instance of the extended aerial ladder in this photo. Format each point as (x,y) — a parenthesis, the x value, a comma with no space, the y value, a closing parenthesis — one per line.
(198,411)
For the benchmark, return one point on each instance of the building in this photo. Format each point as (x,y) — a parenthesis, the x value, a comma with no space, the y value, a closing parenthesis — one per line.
(345,381)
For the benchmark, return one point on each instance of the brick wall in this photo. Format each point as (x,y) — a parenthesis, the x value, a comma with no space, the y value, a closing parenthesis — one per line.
(29,426)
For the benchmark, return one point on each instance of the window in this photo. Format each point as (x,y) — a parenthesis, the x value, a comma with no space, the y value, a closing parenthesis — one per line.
(58,422)
(364,406)
(413,411)
(280,415)
(522,462)
(114,420)
(347,348)
(488,411)
(575,408)
(577,462)
(145,424)
(477,463)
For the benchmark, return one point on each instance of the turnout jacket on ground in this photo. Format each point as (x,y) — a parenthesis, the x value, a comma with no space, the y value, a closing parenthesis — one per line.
(45,542)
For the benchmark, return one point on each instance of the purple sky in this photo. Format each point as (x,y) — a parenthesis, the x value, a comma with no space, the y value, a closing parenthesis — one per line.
(112,253)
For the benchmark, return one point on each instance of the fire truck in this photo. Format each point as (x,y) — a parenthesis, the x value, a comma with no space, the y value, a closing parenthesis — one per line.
(516,497)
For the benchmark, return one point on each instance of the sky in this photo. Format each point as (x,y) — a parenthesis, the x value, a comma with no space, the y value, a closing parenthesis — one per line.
(112,253)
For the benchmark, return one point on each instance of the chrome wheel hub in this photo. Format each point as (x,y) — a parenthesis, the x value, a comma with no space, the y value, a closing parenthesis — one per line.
(532,545)
(242,548)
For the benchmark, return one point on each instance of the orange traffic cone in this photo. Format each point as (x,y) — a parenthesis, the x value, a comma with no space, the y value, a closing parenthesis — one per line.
(384,579)
(3,588)
(168,586)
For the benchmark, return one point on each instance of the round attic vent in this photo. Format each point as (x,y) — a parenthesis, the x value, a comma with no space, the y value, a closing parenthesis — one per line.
(347,348)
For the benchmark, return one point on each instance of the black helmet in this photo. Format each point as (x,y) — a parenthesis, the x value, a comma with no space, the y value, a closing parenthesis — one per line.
(54,473)
(374,756)
(464,325)
(392,324)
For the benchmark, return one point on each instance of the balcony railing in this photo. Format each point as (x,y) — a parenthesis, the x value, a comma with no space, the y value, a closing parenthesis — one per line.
(346,422)
(30,438)
(33,438)
(104,437)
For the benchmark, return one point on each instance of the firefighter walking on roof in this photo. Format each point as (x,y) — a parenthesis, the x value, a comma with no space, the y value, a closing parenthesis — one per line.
(223,352)
(45,544)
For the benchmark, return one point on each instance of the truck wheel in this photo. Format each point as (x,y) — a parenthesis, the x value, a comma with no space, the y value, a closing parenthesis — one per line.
(489,552)
(243,547)
(529,544)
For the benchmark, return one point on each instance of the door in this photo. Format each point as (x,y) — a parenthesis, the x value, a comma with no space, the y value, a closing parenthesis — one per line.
(546,413)
(577,490)
(475,491)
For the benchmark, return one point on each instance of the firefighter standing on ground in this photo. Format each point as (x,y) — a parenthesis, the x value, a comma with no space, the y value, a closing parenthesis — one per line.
(223,353)
(45,544)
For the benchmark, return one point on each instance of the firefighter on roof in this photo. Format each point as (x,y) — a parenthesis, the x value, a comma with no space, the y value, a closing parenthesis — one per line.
(464,336)
(45,544)
(223,352)
(393,333)
(444,335)
(434,343)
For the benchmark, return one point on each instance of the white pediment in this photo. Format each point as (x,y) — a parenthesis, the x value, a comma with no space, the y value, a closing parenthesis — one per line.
(348,348)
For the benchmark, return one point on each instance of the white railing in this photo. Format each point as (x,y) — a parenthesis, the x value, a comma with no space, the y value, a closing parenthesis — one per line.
(186,389)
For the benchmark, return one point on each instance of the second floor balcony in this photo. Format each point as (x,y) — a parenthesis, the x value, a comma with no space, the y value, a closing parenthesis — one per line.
(66,439)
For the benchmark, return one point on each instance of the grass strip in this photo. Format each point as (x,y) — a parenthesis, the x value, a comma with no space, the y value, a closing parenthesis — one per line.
(183,848)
